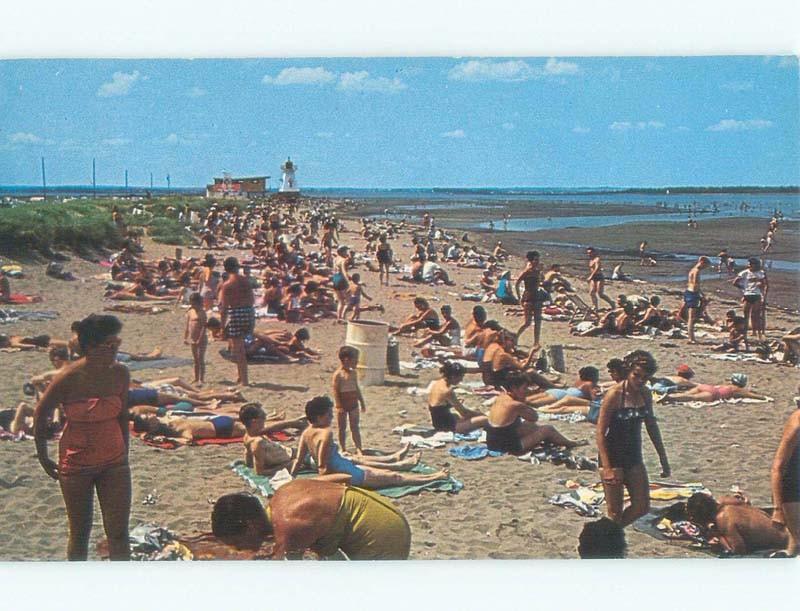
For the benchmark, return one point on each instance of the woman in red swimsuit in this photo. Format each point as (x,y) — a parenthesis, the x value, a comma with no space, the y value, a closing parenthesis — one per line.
(93,451)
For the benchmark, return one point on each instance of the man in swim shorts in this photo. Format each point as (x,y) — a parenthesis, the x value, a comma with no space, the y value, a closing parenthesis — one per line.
(238,315)
(322,516)
(692,299)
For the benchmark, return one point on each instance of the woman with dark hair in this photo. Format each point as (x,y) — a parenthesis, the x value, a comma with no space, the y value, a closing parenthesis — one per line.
(619,439)
(424,317)
(753,284)
(532,298)
(340,280)
(93,450)
(442,397)
(505,429)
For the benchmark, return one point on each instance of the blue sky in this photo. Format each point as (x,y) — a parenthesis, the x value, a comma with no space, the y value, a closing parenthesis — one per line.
(405,122)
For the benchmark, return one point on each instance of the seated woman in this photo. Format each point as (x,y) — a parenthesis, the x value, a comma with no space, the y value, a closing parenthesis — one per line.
(708,393)
(264,456)
(505,429)
(323,516)
(365,471)
(423,317)
(504,291)
(449,334)
(186,430)
(442,397)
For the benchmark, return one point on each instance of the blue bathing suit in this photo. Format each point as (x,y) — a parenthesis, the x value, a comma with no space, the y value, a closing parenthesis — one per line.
(336,462)
(143,396)
(560,393)
(223,425)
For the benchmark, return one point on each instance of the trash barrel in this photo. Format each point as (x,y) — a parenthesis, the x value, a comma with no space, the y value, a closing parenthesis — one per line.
(371,338)
(393,357)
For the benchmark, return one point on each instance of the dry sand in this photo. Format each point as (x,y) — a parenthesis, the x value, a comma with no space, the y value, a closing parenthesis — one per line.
(502,512)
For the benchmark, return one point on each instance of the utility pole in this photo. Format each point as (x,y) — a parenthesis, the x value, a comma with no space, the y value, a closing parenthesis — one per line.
(151,180)
(94,179)
(44,182)
(168,185)
(126,182)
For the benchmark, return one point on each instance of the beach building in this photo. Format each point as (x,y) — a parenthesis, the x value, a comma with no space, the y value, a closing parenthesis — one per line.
(229,186)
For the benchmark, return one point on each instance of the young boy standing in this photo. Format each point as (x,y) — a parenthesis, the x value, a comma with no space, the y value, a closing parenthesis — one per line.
(195,335)
(347,396)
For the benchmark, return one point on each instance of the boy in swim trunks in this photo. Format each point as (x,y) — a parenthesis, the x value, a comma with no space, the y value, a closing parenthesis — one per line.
(692,297)
(347,397)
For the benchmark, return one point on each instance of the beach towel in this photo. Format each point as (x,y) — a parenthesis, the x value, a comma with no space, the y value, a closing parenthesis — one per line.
(265,487)
(574,417)
(736,356)
(253,359)
(8,315)
(702,404)
(20,298)
(473,452)
(557,457)
(167,362)
(137,308)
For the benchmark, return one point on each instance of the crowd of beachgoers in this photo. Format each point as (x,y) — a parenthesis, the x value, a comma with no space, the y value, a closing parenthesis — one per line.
(301,271)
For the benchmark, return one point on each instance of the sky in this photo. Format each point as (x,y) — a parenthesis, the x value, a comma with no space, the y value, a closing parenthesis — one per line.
(405,122)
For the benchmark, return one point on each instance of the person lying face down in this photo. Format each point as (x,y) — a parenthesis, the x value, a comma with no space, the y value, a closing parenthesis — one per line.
(741,528)
(322,516)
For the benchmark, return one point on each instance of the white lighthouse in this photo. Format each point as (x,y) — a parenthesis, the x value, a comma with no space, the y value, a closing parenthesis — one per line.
(288,180)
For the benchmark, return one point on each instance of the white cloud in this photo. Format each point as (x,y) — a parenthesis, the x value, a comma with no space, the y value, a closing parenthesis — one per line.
(727,125)
(488,70)
(555,66)
(121,83)
(682,128)
(737,86)
(456,133)
(362,81)
(508,126)
(116,141)
(623,126)
(580,130)
(324,134)
(196,92)
(301,76)
(24,138)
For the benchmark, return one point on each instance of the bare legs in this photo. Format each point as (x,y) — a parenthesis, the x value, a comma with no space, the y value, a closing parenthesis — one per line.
(239,355)
(532,312)
(596,289)
(377,478)
(199,357)
(639,490)
(791,515)
(114,493)
(342,418)
(531,435)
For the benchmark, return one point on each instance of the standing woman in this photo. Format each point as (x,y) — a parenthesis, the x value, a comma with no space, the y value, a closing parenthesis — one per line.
(209,283)
(619,439)
(383,253)
(93,450)
(532,298)
(596,278)
(753,284)
(785,479)
(340,280)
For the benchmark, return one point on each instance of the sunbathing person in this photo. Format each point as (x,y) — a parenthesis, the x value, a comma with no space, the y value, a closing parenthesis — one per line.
(785,479)
(20,421)
(449,334)
(323,516)
(791,346)
(22,342)
(365,471)
(442,397)
(583,388)
(499,361)
(505,429)
(681,381)
(423,317)
(741,528)
(264,456)
(185,430)
(709,393)
(735,326)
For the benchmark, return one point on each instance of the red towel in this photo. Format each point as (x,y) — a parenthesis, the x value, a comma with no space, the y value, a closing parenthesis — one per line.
(20,298)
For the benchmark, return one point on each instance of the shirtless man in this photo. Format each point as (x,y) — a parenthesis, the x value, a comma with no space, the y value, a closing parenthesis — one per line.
(691,296)
(741,528)
(596,278)
(261,454)
(446,335)
(238,316)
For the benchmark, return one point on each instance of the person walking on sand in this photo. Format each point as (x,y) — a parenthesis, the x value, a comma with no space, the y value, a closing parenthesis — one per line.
(532,298)
(596,278)
(691,296)
(236,301)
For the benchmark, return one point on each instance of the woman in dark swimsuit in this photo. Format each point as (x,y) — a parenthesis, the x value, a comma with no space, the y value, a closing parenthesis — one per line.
(532,298)
(619,439)
(596,278)
(505,429)
(442,397)
(786,481)
(383,253)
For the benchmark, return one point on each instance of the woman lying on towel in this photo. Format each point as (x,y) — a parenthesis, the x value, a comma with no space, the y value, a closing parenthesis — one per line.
(323,516)
(709,393)
(442,397)
(186,430)
(365,471)
(505,429)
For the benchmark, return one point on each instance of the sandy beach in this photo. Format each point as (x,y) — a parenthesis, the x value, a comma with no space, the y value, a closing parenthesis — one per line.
(502,512)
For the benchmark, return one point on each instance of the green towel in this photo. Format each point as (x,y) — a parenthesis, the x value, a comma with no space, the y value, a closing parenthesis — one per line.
(262,485)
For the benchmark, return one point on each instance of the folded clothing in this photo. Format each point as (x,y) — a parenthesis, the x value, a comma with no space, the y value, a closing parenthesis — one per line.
(473,452)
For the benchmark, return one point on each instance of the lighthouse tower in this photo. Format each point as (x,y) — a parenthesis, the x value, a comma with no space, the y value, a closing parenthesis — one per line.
(288,180)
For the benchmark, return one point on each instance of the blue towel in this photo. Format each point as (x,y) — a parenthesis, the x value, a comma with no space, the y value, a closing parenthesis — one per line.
(473,452)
